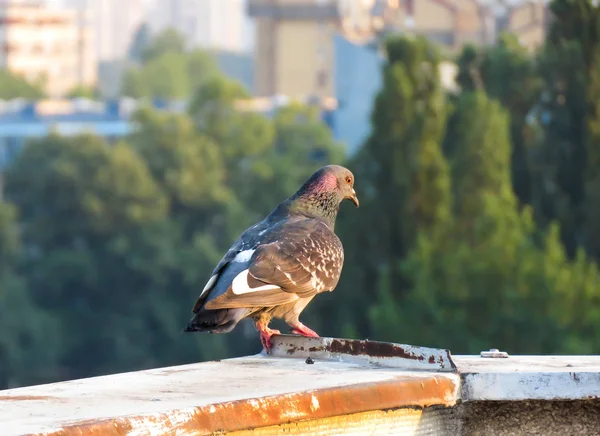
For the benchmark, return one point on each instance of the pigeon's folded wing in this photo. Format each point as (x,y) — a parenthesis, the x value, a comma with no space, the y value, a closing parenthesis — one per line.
(304,260)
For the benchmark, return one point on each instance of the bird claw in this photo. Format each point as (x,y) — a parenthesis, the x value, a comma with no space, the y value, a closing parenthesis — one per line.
(302,330)
(265,338)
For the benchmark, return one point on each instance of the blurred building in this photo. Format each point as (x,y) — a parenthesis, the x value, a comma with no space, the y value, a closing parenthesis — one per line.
(355,89)
(113,22)
(528,20)
(294,48)
(48,46)
(214,24)
(451,23)
(357,78)
(21,121)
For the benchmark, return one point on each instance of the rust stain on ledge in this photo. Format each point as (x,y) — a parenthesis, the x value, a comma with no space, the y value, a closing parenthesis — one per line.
(374,349)
(396,355)
(421,391)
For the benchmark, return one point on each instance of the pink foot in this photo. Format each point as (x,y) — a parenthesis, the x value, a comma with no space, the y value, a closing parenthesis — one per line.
(302,330)
(265,337)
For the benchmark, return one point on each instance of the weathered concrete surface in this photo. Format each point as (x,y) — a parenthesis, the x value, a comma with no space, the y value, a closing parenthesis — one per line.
(520,378)
(349,387)
(231,395)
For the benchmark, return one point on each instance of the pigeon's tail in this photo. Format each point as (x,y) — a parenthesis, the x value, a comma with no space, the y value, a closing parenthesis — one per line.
(215,321)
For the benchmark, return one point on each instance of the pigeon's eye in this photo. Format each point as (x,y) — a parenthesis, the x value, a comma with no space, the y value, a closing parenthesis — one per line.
(349,180)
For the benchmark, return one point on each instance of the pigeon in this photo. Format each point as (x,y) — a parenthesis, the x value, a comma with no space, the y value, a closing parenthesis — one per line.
(277,266)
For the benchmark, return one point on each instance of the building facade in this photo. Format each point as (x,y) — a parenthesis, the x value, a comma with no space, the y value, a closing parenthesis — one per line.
(51,47)
(294,47)
(450,23)
(356,89)
(210,24)
(22,121)
(528,21)
(113,24)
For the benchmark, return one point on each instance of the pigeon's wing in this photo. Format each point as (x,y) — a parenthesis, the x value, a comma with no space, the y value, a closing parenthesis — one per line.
(306,259)
(297,260)
(232,262)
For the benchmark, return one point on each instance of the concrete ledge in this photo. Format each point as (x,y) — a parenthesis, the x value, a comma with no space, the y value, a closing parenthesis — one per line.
(319,386)
(276,410)
(521,378)
(233,394)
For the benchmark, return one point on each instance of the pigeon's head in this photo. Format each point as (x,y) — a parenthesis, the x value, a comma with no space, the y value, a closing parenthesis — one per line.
(333,180)
(344,182)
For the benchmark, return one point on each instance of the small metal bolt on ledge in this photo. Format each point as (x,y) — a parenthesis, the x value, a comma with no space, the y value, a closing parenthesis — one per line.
(494,353)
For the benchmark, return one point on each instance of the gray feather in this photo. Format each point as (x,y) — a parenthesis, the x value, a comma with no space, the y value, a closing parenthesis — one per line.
(231,270)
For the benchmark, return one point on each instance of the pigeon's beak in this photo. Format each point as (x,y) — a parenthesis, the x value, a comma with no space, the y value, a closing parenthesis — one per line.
(354,198)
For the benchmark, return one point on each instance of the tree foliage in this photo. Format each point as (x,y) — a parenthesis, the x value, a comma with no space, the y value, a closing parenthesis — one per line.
(507,73)
(564,155)
(404,184)
(117,239)
(168,41)
(84,92)
(167,70)
(478,224)
(28,338)
(13,86)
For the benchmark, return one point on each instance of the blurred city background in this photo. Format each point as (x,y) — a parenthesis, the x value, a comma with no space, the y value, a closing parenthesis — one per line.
(138,138)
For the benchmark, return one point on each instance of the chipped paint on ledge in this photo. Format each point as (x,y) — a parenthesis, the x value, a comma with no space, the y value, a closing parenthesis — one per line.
(423,391)
(400,356)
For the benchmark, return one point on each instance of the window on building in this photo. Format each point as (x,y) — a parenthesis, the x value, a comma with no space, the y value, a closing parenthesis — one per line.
(322,78)
(321,54)
(10,47)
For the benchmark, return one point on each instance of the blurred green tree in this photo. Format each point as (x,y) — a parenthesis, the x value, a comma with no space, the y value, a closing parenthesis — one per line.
(83,206)
(163,77)
(168,41)
(402,178)
(201,66)
(480,158)
(302,143)
(28,340)
(186,164)
(591,206)
(84,92)
(71,191)
(244,139)
(507,72)
(134,84)
(167,69)
(487,283)
(564,158)
(14,86)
